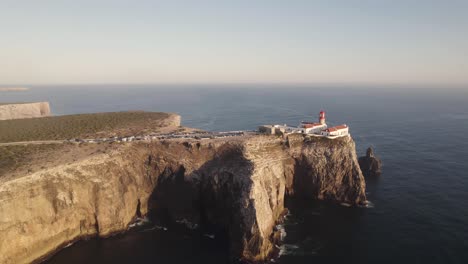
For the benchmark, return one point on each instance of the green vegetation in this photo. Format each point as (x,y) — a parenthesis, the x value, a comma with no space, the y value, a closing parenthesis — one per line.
(79,126)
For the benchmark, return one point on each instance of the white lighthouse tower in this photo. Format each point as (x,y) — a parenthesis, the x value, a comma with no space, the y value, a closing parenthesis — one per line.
(322,117)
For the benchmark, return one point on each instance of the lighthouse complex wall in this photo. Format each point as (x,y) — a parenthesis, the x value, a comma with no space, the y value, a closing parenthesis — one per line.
(338,132)
(315,129)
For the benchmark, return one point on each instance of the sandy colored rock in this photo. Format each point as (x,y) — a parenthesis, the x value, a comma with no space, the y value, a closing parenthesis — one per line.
(24,110)
(236,185)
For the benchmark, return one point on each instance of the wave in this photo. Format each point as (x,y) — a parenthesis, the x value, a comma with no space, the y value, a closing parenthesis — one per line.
(139,222)
(187,224)
(288,249)
(209,236)
(368,204)
(282,231)
(155,227)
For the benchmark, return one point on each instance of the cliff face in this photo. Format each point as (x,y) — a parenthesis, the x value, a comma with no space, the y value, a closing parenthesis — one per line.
(236,187)
(173,120)
(24,110)
(327,170)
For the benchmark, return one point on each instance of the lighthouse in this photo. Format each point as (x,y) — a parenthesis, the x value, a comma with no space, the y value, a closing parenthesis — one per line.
(322,117)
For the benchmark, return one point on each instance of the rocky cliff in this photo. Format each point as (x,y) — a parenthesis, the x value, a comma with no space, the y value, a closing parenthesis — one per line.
(24,110)
(236,187)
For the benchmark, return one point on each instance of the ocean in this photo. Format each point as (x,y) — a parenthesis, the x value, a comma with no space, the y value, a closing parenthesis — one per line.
(419,211)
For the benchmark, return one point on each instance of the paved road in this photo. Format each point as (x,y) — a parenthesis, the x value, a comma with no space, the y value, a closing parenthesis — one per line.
(132,138)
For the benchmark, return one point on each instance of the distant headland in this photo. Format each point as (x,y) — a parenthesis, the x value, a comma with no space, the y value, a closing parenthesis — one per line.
(13,89)
(24,110)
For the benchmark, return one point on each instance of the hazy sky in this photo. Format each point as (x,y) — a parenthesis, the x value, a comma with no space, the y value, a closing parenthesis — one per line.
(100,41)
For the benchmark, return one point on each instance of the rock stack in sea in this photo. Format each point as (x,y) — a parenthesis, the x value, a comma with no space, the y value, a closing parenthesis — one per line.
(371,166)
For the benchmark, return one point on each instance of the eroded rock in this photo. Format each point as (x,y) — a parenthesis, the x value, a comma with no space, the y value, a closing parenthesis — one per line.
(236,186)
(371,166)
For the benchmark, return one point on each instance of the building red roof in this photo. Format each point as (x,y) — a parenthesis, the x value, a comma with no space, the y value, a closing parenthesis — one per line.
(310,124)
(336,128)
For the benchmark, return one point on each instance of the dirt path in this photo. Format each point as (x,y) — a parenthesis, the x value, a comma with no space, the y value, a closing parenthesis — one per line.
(23,143)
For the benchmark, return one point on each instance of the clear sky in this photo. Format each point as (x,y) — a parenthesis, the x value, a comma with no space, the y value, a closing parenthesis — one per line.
(348,41)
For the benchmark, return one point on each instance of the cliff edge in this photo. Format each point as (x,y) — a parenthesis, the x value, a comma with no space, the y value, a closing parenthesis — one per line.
(235,186)
(24,110)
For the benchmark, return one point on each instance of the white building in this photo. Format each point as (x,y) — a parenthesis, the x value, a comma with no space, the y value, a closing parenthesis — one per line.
(312,128)
(337,131)
(278,129)
(305,127)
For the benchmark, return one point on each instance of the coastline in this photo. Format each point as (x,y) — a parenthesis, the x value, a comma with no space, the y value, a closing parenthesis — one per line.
(142,174)
(13,89)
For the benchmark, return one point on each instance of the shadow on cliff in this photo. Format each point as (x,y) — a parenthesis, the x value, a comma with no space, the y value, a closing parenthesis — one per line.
(210,200)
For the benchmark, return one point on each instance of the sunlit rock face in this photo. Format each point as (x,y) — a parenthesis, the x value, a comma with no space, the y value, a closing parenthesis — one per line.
(24,110)
(234,186)
(328,170)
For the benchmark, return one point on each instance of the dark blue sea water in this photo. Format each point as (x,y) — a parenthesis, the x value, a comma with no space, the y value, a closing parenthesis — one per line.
(420,212)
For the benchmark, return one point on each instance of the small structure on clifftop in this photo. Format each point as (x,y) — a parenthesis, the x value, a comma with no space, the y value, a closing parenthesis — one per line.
(371,166)
(341,130)
(312,127)
(319,129)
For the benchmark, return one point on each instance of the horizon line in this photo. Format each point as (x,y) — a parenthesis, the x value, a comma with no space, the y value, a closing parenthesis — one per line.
(244,83)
